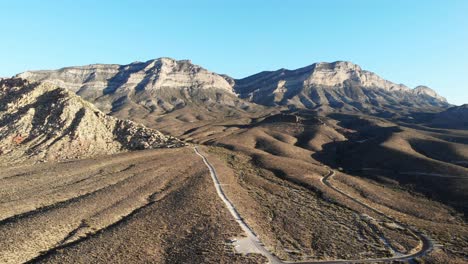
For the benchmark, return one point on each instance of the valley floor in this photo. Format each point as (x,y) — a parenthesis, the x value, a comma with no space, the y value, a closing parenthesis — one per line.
(151,206)
(160,206)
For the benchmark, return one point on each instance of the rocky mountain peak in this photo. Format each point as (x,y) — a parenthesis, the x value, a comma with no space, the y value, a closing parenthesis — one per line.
(422,90)
(150,75)
(167,64)
(159,85)
(339,85)
(341,73)
(337,66)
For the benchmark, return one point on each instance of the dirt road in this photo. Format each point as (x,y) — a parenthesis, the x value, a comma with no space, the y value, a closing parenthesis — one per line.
(253,244)
(426,247)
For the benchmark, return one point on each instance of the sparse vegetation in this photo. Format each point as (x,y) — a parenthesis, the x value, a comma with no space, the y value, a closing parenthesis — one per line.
(368,173)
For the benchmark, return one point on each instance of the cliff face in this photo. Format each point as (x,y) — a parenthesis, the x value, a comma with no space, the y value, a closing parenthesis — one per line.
(150,76)
(44,122)
(145,89)
(338,73)
(342,86)
(160,85)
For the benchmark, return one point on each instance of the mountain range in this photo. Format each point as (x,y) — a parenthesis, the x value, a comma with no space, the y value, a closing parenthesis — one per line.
(164,85)
(337,86)
(178,97)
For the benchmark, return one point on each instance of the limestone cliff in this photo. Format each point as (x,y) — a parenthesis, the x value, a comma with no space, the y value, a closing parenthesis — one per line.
(337,86)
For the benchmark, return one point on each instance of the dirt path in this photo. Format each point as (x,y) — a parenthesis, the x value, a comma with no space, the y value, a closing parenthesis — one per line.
(256,245)
(137,207)
(427,244)
(251,242)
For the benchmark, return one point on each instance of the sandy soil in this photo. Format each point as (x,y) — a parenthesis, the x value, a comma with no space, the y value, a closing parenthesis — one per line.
(128,208)
(161,206)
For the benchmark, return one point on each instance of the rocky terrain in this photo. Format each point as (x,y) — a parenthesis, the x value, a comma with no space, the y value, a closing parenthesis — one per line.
(166,94)
(324,163)
(45,122)
(156,86)
(166,85)
(134,207)
(338,86)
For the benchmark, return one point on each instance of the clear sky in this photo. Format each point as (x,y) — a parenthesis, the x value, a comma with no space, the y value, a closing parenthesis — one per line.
(407,41)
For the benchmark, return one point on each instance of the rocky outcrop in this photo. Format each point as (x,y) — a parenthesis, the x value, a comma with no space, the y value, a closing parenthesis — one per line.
(340,85)
(41,121)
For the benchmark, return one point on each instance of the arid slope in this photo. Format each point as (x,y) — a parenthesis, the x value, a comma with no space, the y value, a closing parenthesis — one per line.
(45,122)
(128,208)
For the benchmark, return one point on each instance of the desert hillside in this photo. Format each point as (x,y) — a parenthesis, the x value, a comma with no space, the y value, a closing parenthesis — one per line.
(44,122)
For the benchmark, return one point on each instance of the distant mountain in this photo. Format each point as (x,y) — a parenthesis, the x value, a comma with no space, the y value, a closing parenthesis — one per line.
(45,122)
(454,117)
(160,86)
(145,90)
(337,86)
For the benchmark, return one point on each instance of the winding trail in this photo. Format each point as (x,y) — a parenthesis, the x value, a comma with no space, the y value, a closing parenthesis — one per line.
(427,244)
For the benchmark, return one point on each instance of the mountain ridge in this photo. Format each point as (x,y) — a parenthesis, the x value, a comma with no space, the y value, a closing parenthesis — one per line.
(339,62)
(226,76)
(163,85)
(339,85)
(163,75)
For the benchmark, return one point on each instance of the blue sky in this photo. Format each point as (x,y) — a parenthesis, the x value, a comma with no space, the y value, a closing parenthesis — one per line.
(411,42)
